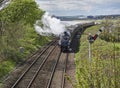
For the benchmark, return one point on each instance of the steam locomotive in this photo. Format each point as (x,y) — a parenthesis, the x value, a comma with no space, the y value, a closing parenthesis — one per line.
(64,41)
(65,38)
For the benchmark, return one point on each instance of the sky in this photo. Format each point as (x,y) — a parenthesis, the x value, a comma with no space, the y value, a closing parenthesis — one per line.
(80,7)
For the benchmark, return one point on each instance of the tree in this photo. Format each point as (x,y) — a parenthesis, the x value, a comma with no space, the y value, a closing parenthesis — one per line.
(22,10)
(15,18)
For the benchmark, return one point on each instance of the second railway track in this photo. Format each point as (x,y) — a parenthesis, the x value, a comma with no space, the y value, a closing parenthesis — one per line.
(29,73)
(48,66)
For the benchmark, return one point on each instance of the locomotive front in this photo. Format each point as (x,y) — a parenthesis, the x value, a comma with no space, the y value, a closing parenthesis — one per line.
(64,41)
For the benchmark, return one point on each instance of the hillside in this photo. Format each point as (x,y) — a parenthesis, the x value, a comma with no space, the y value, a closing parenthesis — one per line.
(102,69)
(91,17)
(18,38)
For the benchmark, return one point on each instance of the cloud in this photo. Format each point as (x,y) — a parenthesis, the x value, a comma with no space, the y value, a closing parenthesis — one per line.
(64,5)
(84,6)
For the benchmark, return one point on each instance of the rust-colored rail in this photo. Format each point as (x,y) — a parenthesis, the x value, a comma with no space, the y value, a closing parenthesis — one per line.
(53,71)
(47,50)
(63,79)
(44,74)
(40,67)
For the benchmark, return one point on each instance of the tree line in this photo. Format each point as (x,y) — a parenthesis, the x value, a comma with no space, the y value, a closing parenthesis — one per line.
(17,29)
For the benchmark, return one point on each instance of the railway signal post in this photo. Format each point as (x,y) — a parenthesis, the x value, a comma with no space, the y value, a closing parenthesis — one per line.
(91,39)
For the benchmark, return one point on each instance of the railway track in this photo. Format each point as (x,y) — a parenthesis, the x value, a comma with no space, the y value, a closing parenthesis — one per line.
(31,71)
(47,68)
(42,72)
(59,73)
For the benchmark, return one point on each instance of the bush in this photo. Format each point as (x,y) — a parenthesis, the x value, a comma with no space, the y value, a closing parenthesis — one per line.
(111,32)
(6,67)
(13,54)
(111,37)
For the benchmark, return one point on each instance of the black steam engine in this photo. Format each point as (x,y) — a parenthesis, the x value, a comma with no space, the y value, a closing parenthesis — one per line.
(64,41)
(66,37)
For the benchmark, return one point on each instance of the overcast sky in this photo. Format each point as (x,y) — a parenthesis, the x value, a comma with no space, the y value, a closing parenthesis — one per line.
(80,7)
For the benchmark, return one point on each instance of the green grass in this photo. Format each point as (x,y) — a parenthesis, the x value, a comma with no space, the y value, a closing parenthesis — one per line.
(104,69)
(5,68)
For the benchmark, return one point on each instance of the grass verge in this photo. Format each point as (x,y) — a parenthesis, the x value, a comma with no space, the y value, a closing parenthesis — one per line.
(103,70)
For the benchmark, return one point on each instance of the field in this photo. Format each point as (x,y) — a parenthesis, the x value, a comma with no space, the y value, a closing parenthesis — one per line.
(102,70)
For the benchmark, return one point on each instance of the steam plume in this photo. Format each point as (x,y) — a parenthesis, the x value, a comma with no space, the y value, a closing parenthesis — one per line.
(51,26)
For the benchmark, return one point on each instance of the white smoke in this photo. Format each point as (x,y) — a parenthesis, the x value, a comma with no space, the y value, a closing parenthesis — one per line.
(51,26)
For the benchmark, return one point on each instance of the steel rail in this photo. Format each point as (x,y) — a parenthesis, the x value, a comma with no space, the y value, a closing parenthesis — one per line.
(53,71)
(40,67)
(20,78)
(63,78)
